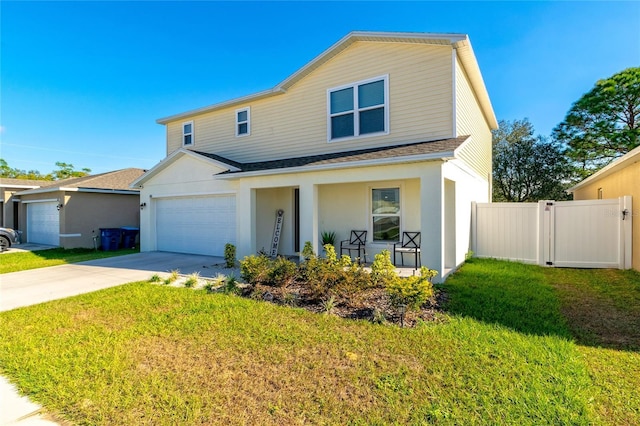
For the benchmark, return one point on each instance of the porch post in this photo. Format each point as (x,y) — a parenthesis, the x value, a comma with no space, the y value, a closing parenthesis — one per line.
(309,215)
(245,221)
(431,220)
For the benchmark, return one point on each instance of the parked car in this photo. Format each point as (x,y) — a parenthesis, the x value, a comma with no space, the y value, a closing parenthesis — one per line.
(8,237)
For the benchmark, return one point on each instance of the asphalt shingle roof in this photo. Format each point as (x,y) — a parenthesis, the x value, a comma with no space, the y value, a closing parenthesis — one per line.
(421,148)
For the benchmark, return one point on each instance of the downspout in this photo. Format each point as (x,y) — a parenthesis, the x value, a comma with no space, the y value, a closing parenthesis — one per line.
(454,127)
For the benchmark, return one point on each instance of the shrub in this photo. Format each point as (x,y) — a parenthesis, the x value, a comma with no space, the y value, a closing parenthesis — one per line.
(329,305)
(230,255)
(255,269)
(412,291)
(155,278)
(330,276)
(173,277)
(192,280)
(282,272)
(307,251)
(215,283)
(382,269)
(231,286)
(261,270)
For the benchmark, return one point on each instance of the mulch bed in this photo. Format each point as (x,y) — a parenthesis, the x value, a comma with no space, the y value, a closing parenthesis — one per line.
(369,305)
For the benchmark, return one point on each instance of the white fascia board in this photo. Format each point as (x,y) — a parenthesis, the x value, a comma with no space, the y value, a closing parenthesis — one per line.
(38,191)
(470,64)
(105,191)
(629,158)
(232,102)
(2,185)
(65,189)
(444,156)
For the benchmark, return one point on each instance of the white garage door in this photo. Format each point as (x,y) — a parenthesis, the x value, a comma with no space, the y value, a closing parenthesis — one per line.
(198,225)
(43,223)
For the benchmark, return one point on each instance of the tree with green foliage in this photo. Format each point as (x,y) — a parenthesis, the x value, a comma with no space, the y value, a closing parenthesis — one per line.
(10,172)
(64,171)
(527,168)
(603,124)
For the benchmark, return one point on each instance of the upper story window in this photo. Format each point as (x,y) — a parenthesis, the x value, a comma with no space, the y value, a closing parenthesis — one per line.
(243,122)
(358,109)
(187,133)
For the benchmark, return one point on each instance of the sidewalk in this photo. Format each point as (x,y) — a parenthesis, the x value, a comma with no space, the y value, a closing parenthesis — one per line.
(18,410)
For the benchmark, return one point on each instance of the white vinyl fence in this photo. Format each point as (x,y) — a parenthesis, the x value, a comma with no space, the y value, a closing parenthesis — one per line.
(579,234)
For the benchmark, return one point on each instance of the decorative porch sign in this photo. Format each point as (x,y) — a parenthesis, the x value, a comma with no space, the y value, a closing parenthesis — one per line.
(276,233)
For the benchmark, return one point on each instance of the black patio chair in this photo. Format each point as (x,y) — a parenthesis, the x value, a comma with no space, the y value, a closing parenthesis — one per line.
(410,244)
(356,241)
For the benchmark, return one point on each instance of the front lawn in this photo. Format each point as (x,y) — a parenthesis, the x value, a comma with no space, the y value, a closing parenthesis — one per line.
(151,354)
(22,261)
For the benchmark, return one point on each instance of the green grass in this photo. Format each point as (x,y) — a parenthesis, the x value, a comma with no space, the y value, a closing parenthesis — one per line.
(22,261)
(149,354)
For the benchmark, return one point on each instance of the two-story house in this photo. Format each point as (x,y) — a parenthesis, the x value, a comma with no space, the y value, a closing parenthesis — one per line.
(383,132)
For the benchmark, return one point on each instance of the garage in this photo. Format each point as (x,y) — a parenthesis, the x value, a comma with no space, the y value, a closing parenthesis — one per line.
(43,223)
(197,225)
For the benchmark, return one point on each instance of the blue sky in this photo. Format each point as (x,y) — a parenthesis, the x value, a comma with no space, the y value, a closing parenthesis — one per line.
(84,82)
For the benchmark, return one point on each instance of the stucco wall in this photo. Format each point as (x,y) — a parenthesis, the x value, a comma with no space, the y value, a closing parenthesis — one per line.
(186,176)
(618,184)
(83,214)
(86,213)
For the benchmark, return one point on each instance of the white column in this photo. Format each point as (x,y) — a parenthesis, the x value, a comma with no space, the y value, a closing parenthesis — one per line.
(309,215)
(431,220)
(245,221)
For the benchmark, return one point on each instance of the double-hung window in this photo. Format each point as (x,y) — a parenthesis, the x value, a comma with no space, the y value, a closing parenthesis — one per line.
(385,214)
(187,133)
(358,109)
(243,122)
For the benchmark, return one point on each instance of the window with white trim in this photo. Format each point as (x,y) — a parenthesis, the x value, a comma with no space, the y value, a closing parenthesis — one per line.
(358,109)
(385,214)
(243,122)
(187,133)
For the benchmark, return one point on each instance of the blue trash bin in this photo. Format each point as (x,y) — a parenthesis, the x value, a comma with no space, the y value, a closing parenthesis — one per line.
(110,238)
(129,235)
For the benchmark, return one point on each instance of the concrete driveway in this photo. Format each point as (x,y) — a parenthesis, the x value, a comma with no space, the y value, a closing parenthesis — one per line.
(18,289)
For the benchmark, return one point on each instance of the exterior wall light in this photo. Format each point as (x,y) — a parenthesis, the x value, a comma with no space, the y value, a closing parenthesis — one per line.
(60,206)
(143,205)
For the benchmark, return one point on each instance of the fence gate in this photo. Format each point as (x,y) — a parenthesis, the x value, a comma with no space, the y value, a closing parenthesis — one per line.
(579,234)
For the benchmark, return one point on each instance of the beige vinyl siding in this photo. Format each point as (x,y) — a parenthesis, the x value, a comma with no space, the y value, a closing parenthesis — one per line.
(620,183)
(295,123)
(476,152)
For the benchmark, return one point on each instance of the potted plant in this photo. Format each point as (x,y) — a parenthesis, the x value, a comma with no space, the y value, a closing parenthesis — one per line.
(328,237)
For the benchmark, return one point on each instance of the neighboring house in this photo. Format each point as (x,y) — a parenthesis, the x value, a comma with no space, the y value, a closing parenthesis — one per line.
(9,204)
(69,213)
(619,178)
(384,132)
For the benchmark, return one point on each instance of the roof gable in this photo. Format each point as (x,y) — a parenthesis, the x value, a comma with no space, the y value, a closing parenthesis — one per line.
(214,160)
(626,160)
(459,42)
